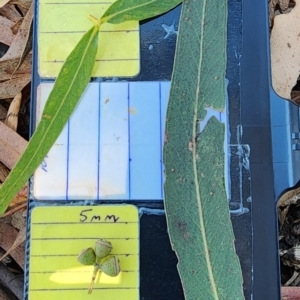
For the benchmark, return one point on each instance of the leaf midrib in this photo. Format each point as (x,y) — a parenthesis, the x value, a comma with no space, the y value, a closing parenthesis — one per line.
(57,111)
(195,120)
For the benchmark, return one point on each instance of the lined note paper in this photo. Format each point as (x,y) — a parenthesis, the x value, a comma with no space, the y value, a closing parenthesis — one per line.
(61,24)
(112,146)
(58,234)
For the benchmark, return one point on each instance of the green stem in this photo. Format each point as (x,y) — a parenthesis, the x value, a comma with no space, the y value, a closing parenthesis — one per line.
(96,269)
(96,21)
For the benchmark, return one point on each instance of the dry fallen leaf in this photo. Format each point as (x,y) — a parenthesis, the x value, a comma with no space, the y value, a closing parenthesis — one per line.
(4,171)
(10,88)
(8,236)
(19,200)
(20,238)
(291,257)
(15,28)
(283,4)
(7,67)
(285,201)
(15,209)
(3,113)
(3,2)
(15,75)
(26,50)
(21,39)
(22,9)
(7,35)
(285,54)
(12,146)
(18,220)
(24,4)
(273,5)
(13,112)
(10,12)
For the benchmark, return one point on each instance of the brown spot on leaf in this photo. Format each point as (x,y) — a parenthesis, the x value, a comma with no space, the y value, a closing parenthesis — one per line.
(45,116)
(182,226)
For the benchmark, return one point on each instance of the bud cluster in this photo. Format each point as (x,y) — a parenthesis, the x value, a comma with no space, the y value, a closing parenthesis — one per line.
(110,265)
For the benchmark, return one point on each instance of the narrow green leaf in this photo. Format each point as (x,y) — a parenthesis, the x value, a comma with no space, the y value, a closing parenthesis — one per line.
(138,10)
(195,198)
(68,88)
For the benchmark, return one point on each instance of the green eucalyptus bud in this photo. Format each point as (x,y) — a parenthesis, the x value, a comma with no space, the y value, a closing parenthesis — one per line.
(102,248)
(111,266)
(87,257)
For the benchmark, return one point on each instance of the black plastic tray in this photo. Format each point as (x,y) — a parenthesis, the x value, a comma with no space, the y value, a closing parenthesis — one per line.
(257,119)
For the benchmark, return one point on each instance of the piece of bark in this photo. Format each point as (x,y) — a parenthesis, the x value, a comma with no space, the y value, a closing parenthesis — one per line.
(6,295)
(3,295)
(12,146)
(11,281)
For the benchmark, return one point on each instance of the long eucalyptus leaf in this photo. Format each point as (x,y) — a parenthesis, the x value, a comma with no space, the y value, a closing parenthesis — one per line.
(68,88)
(138,10)
(195,198)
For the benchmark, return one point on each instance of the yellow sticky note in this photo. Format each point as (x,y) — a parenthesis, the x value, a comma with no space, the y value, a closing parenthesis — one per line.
(61,24)
(58,234)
